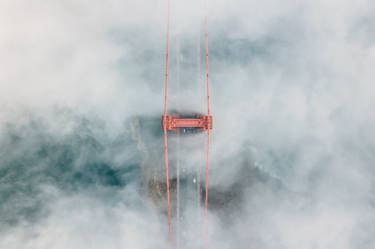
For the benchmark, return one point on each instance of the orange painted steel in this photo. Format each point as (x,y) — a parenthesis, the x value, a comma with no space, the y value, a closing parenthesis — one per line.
(172,123)
(165,130)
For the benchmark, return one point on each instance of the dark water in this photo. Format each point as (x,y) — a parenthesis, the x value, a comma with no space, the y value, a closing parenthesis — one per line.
(81,160)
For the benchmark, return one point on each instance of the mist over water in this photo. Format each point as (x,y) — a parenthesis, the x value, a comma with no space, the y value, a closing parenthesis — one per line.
(293,144)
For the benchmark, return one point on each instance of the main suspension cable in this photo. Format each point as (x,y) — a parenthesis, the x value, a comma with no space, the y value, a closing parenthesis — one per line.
(165,128)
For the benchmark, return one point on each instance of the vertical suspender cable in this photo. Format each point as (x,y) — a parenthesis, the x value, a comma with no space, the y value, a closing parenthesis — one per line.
(208,130)
(165,128)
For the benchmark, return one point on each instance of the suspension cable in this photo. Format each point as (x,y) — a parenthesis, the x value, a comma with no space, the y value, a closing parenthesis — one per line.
(208,130)
(165,128)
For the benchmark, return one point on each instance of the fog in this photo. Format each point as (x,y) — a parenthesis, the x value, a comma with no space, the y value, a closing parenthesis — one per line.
(292,98)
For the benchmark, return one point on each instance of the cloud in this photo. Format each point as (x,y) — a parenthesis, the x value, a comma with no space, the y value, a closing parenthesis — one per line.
(81,92)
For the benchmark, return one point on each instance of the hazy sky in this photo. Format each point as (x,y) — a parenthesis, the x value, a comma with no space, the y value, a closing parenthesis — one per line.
(292,90)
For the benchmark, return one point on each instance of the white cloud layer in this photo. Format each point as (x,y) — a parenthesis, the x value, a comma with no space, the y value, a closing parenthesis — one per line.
(292,97)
